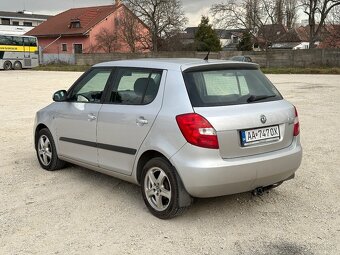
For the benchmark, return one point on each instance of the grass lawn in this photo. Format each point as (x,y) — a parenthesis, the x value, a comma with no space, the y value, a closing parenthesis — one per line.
(62,67)
(301,70)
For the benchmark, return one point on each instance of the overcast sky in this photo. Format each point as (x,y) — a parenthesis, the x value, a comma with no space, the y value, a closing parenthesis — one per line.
(193,8)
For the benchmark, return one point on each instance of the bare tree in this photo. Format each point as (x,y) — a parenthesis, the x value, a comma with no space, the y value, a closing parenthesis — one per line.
(107,40)
(317,11)
(334,16)
(253,13)
(279,9)
(162,17)
(290,12)
(262,18)
(247,14)
(232,14)
(134,32)
(331,33)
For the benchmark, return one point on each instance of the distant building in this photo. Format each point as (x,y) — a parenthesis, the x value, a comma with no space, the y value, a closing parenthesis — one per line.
(330,36)
(298,38)
(19,23)
(229,38)
(76,30)
(268,34)
(295,39)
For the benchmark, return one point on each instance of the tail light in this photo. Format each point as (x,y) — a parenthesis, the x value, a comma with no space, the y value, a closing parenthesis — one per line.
(296,123)
(197,130)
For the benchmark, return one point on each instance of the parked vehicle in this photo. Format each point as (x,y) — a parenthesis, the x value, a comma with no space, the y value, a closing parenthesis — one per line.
(242,58)
(180,128)
(17,52)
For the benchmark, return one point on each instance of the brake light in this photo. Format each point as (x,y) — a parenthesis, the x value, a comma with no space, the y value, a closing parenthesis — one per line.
(296,123)
(197,130)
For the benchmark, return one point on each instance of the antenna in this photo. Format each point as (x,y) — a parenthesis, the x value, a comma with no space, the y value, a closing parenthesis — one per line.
(207,56)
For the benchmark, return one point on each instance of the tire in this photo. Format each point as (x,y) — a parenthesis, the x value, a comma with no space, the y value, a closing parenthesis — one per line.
(7,65)
(17,65)
(162,189)
(46,151)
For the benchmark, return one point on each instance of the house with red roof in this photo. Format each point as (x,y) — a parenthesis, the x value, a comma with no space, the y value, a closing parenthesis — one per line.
(98,29)
(296,39)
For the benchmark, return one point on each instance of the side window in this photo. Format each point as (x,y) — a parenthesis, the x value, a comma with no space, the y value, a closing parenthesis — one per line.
(17,40)
(91,87)
(135,86)
(33,41)
(6,40)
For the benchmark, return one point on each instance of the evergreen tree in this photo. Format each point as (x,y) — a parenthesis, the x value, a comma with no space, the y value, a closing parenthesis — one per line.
(246,43)
(206,38)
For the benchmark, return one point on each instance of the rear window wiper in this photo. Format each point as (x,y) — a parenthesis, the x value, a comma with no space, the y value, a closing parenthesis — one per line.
(254,98)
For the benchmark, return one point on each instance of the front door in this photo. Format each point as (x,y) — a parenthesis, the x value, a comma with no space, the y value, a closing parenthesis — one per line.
(76,120)
(126,117)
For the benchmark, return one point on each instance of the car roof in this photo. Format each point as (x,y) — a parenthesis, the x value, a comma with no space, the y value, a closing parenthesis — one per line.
(179,64)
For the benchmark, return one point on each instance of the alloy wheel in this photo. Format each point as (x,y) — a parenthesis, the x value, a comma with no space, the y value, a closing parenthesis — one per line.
(44,150)
(157,189)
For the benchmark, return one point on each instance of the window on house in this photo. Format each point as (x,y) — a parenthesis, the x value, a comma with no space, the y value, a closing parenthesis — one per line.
(27,24)
(64,47)
(78,48)
(5,21)
(75,24)
(15,23)
(235,39)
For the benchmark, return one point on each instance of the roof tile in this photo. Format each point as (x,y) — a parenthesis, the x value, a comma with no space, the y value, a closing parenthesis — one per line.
(60,24)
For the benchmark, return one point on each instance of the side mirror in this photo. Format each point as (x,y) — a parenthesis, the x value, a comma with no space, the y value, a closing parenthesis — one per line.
(60,96)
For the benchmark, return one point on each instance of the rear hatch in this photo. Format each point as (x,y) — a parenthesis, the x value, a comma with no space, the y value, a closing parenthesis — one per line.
(248,113)
(233,122)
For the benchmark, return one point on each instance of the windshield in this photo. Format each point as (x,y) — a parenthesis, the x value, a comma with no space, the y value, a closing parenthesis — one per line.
(229,87)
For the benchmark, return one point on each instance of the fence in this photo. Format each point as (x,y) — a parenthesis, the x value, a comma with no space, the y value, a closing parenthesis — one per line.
(271,58)
(47,58)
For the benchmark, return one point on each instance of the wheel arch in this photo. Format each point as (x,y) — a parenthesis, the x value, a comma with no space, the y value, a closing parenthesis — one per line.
(184,197)
(144,158)
(36,132)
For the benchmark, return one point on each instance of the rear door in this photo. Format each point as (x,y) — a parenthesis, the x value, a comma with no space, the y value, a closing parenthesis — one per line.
(124,121)
(247,112)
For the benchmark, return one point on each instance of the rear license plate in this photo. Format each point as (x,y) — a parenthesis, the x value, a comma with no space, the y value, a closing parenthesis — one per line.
(259,135)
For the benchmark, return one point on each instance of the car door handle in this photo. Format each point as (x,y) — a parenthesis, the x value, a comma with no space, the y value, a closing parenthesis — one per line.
(91,117)
(141,121)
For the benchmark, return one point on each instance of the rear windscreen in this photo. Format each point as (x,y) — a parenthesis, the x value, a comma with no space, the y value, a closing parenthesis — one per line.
(229,87)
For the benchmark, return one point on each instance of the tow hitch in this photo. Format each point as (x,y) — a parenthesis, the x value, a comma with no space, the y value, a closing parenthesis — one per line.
(259,191)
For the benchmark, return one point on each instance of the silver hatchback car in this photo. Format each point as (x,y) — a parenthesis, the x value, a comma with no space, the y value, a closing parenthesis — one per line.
(180,128)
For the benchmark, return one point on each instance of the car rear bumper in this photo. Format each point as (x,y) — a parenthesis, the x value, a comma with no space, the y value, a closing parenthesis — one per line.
(205,174)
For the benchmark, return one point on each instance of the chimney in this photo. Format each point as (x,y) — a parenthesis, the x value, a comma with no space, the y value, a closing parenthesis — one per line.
(117,2)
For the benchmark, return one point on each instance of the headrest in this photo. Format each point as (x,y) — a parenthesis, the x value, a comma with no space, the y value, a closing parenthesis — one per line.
(142,84)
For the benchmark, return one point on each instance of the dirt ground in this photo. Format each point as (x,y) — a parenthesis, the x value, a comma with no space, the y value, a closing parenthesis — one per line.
(77,211)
